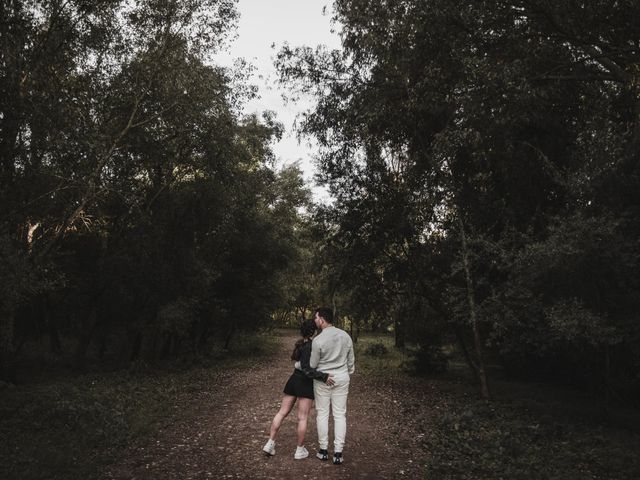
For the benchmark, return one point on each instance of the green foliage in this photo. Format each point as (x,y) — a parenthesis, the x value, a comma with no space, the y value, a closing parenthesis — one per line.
(484,161)
(378,349)
(530,430)
(507,440)
(19,279)
(378,365)
(72,428)
(138,204)
(428,359)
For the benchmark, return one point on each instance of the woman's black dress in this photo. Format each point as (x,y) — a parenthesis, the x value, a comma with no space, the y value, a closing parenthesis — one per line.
(300,383)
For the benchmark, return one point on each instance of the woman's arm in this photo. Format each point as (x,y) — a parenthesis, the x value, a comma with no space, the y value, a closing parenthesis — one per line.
(305,367)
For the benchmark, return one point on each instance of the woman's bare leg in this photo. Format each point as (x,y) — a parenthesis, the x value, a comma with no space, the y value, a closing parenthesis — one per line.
(287,404)
(304,406)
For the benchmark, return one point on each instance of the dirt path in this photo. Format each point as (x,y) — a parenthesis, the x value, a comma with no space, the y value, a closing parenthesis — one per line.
(227,425)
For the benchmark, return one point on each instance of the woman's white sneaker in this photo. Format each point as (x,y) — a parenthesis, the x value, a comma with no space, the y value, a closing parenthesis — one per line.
(301,453)
(269,448)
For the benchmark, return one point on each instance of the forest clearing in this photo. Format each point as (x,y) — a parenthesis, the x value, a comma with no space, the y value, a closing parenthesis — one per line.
(185,183)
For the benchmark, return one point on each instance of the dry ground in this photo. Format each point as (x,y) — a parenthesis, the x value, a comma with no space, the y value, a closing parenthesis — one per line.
(227,424)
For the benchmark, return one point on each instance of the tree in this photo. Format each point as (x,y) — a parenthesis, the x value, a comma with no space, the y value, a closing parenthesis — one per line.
(459,134)
(140,210)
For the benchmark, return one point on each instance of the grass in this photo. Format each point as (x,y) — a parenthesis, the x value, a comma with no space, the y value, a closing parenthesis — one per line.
(370,362)
(70,428)
(507,439)
(528,431)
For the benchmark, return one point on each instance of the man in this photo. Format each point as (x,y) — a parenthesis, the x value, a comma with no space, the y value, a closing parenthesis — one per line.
(332,353)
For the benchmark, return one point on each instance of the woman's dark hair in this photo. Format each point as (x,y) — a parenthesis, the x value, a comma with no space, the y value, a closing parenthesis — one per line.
(307,329)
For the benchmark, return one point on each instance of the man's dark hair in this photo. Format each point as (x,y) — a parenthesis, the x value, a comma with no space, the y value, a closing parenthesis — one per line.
(325,313)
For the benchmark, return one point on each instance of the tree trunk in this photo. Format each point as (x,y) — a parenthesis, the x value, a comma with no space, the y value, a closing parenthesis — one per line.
(51,325)
(136,344)
(13,40)
(202,337)
(102,342)
(473,367)
(398,329)
(607,378)
(354,330)
(630,162)
(334,307)
(229,336)
(7,372)
(481,372)
(79,359)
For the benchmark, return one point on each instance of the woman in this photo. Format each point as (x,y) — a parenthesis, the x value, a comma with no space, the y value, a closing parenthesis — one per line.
(300,388)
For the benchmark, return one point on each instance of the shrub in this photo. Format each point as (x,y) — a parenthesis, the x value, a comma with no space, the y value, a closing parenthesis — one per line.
(377,349)
(428,359)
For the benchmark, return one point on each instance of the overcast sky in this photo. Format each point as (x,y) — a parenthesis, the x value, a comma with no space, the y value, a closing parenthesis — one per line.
(262,24)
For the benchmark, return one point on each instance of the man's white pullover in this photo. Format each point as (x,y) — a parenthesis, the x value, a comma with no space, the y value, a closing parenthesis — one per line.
(332,352)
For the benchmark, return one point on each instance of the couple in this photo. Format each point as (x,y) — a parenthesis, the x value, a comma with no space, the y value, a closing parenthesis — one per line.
(322,372)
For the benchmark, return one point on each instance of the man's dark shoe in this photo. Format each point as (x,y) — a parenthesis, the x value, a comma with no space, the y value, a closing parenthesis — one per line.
(337,458)
(322,454)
